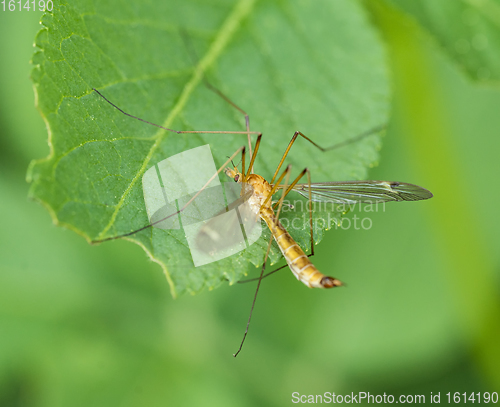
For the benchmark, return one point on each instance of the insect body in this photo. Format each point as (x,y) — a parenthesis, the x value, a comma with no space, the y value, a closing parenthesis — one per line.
(297,260)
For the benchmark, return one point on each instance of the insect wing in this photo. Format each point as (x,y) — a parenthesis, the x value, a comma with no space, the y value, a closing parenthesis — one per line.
(352,192)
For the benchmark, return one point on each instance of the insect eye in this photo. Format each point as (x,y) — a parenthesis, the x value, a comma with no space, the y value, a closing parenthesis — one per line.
(236,177)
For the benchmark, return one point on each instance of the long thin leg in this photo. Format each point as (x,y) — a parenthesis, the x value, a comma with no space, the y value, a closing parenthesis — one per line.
(247,118)
(257,143)
(250,166)
(287,173)
(310,210)
(242,149)
(338,145)
(268,274)
(288,189)
(207,83)
(172,130)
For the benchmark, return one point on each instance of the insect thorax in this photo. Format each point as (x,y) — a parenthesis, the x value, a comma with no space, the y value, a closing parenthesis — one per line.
(260,190)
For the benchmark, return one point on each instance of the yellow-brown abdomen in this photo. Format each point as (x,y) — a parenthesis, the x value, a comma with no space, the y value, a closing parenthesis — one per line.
(297,260)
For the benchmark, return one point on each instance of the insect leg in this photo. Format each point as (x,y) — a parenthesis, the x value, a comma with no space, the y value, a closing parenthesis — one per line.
(287,174)
(181,132)
(323,149)
(247,118)
(310,211)
(266,275)
(242,149)
(256,149)
(172,130)
(211,87)
(287,190)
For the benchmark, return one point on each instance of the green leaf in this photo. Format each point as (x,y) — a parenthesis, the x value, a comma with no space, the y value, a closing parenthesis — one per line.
(468,31)
(318,67)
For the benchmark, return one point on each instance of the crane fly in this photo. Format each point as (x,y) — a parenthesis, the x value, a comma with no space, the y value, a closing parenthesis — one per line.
(347,193)
(258,192)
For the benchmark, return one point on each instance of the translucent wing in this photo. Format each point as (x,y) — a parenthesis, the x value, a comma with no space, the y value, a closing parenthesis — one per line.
(351,192)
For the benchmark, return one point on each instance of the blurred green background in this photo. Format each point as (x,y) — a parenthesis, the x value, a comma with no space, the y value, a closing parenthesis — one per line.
(82,325)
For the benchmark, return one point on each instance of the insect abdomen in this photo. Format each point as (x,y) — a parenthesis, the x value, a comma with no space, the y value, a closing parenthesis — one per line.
(297,260)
